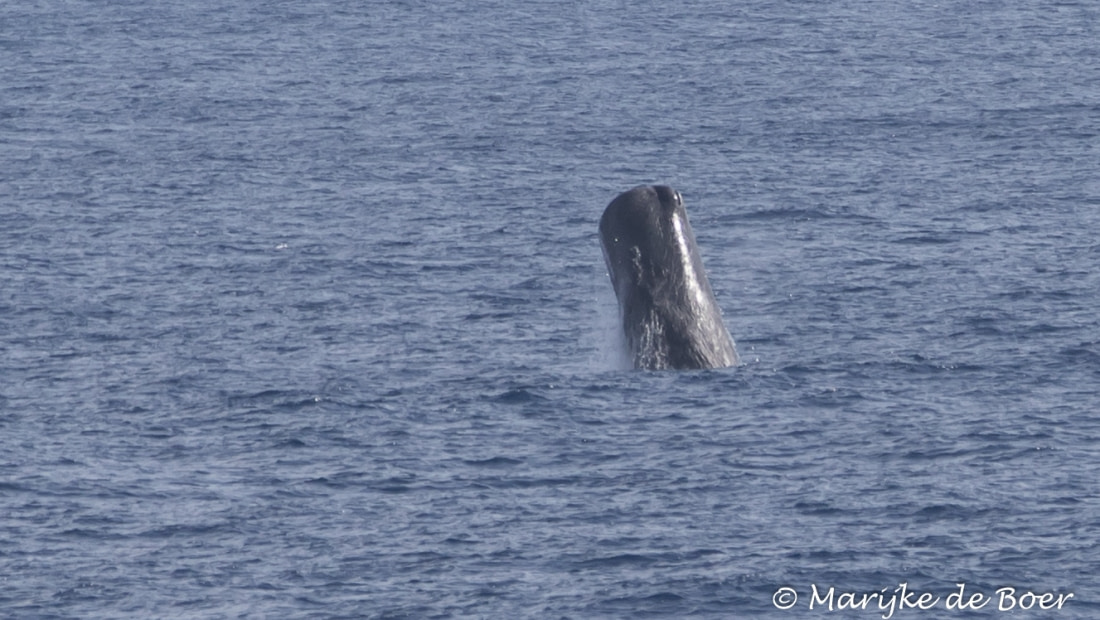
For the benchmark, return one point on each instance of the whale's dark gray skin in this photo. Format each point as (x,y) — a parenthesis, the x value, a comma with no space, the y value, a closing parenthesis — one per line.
(669,314)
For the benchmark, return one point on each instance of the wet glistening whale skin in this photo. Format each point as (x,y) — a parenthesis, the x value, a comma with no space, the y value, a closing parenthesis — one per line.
(669,315)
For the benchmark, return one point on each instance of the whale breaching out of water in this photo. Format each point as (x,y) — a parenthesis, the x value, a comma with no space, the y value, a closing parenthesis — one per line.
(669,315)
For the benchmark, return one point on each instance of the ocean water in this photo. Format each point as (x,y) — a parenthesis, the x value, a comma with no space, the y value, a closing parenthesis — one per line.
(303,311)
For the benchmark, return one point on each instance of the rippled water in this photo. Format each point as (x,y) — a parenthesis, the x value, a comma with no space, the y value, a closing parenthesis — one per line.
(303,310)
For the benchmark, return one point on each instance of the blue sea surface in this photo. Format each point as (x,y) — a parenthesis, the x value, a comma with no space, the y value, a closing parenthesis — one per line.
(303,311)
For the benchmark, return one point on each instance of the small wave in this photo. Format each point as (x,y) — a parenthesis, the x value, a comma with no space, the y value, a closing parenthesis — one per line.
(619,561)
(517,395)
(496,461)
(287,400)
(777,214)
